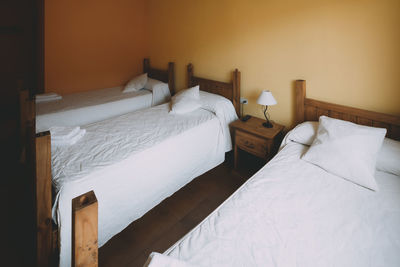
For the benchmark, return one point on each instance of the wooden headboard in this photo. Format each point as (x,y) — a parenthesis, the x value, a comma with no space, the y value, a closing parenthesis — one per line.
(230,90)
(167,76)
(308,109)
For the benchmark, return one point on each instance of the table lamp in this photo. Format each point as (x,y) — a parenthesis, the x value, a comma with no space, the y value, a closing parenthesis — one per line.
(266,99)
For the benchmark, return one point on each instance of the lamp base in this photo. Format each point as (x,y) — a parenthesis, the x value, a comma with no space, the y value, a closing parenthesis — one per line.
(267,124)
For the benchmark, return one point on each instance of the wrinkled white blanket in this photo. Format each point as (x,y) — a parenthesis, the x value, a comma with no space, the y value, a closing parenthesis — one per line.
(292,213)
(135,161)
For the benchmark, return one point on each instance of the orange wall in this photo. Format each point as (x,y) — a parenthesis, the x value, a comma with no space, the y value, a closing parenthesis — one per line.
(92,44)
(347,50)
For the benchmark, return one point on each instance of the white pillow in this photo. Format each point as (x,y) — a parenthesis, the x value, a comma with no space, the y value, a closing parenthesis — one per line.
(152,83)
(304,133)
(185,101)
(135,84)
(347,150)
(389,157)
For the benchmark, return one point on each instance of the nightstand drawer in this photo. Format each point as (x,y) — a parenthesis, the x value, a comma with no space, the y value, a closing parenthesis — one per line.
(251,143)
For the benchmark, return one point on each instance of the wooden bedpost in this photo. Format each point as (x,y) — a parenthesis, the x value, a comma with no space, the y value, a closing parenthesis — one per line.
(236,91)
(171,77)
(300,96)
(190,74)
(146,65)
(43,198)
(85,230)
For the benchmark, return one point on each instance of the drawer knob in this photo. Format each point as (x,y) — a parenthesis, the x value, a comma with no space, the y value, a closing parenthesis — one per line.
(248,144)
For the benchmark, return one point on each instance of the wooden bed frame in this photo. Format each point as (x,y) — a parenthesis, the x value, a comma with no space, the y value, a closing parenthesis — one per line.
(46,241)
(85,207)
(85,230)
(167,76)
(35,154)
(308,109)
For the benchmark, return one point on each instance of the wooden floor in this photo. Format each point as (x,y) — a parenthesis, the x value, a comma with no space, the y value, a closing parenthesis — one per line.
(161,227)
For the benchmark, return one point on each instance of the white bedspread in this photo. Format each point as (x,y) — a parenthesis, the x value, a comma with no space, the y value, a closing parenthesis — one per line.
(133,162)
(87,107)
(292,213)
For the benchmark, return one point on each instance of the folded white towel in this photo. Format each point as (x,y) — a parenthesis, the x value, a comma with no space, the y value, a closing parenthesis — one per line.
(47,95)
(48,99)
(70,141)
(63,133)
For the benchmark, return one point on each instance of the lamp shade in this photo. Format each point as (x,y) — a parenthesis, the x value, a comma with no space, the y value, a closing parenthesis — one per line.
(266,98)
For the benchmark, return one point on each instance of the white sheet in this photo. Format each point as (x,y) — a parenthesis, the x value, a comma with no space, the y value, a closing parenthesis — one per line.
(292,213)
(87,107)
(157,259)
(133,162)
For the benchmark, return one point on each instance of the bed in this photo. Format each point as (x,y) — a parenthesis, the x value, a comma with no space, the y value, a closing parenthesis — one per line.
(290,213)
(293,213)
(126,164)
(92,106)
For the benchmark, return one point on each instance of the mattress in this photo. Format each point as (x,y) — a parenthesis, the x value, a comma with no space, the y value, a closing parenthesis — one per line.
(136,160)
(292,213)
(92,106)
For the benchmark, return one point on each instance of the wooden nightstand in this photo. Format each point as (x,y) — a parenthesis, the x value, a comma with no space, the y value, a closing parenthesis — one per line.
(255,139)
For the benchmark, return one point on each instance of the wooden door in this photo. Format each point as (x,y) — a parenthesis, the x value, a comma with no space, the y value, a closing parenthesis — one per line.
(21,67)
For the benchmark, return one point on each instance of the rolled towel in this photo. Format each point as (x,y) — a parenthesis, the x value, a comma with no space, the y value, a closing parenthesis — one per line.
(48,99)
(70,141)
(47,95)
(63,133)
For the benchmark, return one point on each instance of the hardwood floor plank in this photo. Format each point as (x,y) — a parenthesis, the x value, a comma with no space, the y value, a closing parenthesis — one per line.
(165,224)
(160,245)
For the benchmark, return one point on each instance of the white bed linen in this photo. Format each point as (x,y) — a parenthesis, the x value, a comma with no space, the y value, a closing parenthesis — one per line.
(133,162)
(87,107)
(292,213)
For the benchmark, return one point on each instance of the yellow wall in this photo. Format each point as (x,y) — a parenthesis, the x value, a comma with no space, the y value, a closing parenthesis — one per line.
(93,44)
(347,50)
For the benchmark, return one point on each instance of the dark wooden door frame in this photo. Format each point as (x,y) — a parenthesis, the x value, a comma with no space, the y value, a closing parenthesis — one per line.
(40,32)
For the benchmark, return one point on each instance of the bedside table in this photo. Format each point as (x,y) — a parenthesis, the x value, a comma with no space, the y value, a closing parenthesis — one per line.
(252,137)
